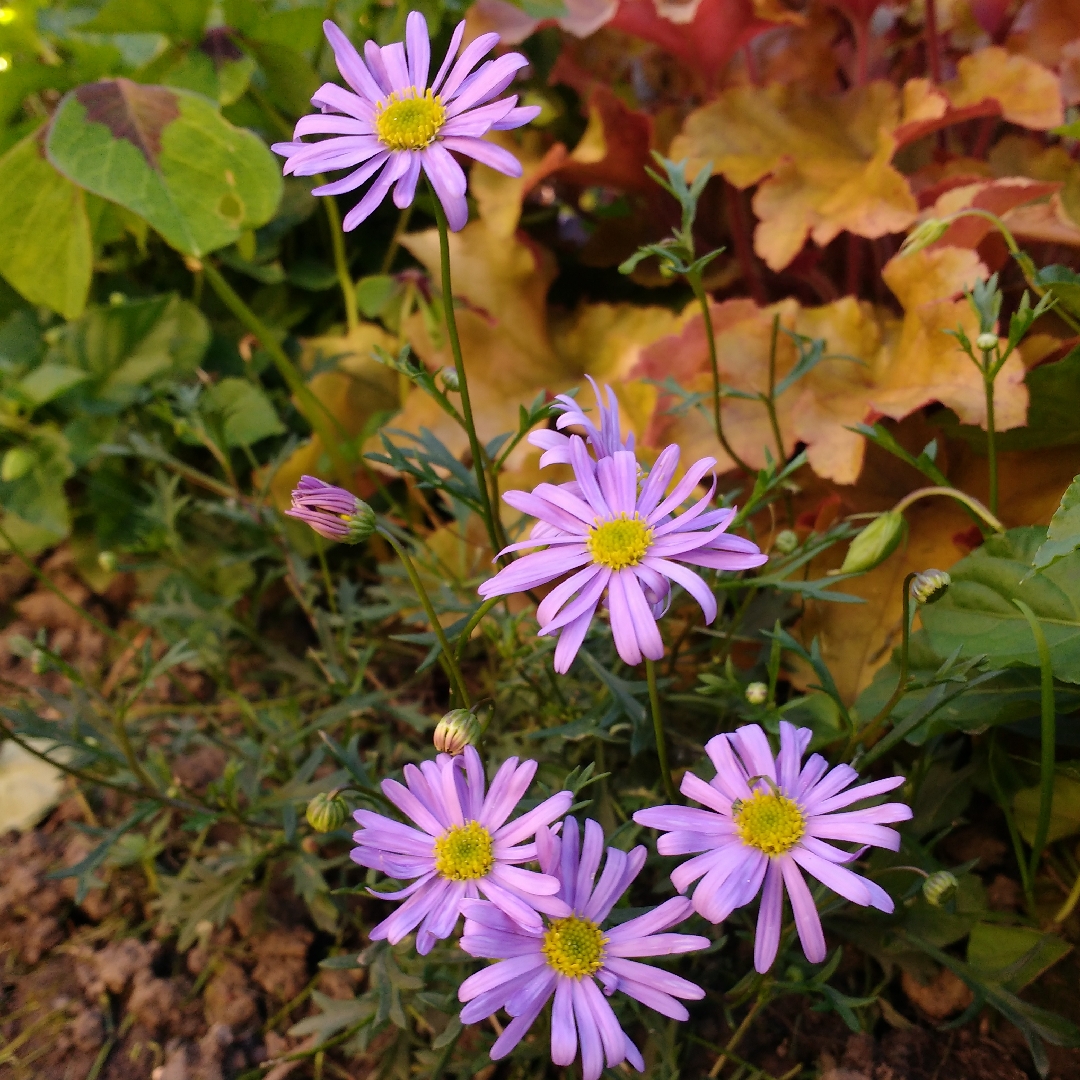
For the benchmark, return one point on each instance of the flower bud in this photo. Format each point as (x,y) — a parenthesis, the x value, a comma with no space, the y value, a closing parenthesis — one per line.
(331,511)
(939,886)
(756,693)
(327,811)
(456,730)
(450,381)
(39,661)
(930,586)
(875,543)
(18,461)
(923,235)
(785,541)
(986,342)
(107,561)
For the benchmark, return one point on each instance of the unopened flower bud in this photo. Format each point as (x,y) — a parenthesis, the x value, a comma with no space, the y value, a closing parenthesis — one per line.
(939,886)
(923,235)
(986,342)
(331,511)
(785,541)
(930,586)
(756,693)
(875,543)
(327,811)
(456,730)
(450,381)
(39,661)
(107,561)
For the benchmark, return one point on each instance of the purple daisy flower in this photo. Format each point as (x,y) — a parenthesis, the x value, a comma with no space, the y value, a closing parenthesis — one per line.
(463,846)
(613,536)
(604,440)
(767,821)
(331,511)
(396,122)
(566,957)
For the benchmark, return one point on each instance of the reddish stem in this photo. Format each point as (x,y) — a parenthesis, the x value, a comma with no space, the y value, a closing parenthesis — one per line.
(739,227)
(854,264)
(933,42)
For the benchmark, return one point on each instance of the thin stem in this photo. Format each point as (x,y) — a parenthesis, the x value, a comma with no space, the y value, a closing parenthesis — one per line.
(658,728)
(30,565)
(770,401)
(328,584)
(933,44)
(341,263)
(740,1031)
(312,408)
(452,670)
(968,500)
(1071,901)
(694,278)
(1048,738)
(991,441)
(463,385)
(474,621)
(1010,824)
(395,240)
(860,737)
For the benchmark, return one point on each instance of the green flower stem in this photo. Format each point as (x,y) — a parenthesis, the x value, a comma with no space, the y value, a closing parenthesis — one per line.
(860,737)
(341,263)
(493,528)
(759,1003)
(991,441)
(322,422)
(1010,824)
(770,400)
(453,672)
(968,500)
(695,282)
(471,625)
(1025,263)
(658,728)
(1048,738)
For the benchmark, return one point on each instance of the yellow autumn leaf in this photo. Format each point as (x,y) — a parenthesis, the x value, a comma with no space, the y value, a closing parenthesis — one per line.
(875,364)
(1028,93)
(823,163)
(352,390)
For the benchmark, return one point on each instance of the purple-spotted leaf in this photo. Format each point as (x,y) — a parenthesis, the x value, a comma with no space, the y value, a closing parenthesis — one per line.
(168,156)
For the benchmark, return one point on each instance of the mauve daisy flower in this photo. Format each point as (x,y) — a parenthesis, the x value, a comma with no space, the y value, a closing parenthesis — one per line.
(766,819)
(604,440)
(566,957)
(612,536)
(463,846)
(331,511)
(394,123)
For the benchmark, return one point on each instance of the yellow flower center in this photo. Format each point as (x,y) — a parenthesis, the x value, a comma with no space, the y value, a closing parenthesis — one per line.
(621,542)
(771,822)
(574,947)
(463,852)
(409,120)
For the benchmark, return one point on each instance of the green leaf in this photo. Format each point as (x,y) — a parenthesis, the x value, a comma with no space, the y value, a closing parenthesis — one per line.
(1017,955)
(46,252)
(174,18)
(300,28)
(1063,536)
(1064,810)
(37,494)
(133,344)
(1062,284)
(977,615)
(170,157)
(243,410)
(48,381)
